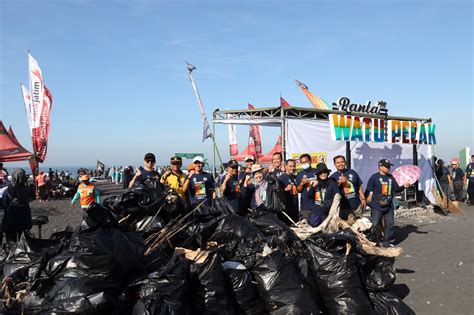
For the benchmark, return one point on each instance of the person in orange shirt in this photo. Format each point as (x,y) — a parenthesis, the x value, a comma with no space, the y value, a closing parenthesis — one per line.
(87,194)
(41,182)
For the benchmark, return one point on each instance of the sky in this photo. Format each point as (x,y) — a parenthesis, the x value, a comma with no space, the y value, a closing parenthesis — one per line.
(120,87)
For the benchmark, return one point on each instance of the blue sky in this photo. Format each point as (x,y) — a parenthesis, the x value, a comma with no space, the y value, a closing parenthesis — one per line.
(117,70)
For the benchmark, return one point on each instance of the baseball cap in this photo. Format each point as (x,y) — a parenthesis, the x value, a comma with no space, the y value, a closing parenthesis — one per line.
(199,159)
(232,163)
(249,158)
(149,156)
(175,159)
(385,162)
(256,168)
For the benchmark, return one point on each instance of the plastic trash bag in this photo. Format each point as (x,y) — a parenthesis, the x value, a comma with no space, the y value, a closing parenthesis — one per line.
(276,201)
(378,273)
(244,290)
(337,275)
(281,287)
(166,292)
(210,292)
(387,303)
(270,225)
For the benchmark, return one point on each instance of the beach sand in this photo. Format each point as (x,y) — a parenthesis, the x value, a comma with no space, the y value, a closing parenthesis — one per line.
(434,274)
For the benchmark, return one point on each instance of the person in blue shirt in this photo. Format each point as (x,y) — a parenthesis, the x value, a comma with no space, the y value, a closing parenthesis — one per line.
(276,168)
(303,180)
(442,174)
(199,185)
(245,198)
(350,186)
(322,191)
(457,179)
(288,182)
(146,174)
(470,180)
(230,188)
(383,186)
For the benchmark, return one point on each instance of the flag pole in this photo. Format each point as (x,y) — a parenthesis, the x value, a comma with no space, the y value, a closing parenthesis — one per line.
(207,133)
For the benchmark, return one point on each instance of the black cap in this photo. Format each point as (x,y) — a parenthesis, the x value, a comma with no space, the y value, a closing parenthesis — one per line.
(385,162)
(321,168)
(149,156)
(232,163)
(175,159)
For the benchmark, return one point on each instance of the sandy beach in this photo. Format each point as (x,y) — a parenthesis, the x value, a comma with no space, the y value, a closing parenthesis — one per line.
(435,273)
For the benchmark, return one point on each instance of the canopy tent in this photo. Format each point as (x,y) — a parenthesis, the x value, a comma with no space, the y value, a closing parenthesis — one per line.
(306,130)
(10,149)
(267,158)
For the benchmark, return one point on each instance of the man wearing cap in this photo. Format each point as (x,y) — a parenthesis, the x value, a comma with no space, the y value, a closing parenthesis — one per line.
(288,183)
(457,179)
(148,172)
(383,186)
(87,193)
(350,187)
(321,192)
(175,178)
(470,180)
(277,168)
(230,187)
(303,180)
(199,185)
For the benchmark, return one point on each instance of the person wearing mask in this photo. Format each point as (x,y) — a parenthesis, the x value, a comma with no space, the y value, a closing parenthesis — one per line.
(288,182)
(87,194)
(321,192)
(383,187)
(199,185)
(457,179)
(15,201)
(175,178)
(230,188)
(470,180)
(41,184)
(147,173)
(303,180)
(256,186)
(276,168)
(442,174)
(350,186)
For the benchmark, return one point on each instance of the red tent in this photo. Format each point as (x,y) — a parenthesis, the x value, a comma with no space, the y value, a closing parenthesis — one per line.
(267,158)
(249,150)
(10,149)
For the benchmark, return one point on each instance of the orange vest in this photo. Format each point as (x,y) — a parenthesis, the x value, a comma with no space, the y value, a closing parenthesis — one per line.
(86,194)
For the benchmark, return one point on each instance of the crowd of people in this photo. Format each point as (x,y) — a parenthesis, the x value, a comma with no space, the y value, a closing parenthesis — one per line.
(454,181)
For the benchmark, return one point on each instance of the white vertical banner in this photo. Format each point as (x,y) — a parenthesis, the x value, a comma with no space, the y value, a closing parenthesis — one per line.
(233,145)
(36,90)
(27,101)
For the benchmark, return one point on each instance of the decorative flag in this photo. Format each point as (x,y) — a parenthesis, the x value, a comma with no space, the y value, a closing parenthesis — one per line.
(316,101)
(251,146)
(36,90)
(41,133)
(100,166)
(254,133)
(28,109)
(284,103)
(206,129)
(234,149)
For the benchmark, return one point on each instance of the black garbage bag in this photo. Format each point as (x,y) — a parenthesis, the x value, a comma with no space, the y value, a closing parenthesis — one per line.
(337,275)
(270,225)
(83,296)
(210,291)
(247,251)
(64,235)
(276,200)
(30,254)
(377,272)
(387,303)
(281,287)
(231,230)
(221,205)
(244,290)
(303,264)
(166,292)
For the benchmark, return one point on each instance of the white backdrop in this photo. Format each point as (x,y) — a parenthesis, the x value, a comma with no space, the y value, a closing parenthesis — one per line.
(306,136)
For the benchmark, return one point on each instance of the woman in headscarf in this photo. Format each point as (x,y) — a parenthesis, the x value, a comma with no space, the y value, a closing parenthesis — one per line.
(321,192)
(15,201)
(256,185)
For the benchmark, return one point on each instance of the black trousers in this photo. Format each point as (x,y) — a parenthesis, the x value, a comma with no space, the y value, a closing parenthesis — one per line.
(458,187)
(470,191)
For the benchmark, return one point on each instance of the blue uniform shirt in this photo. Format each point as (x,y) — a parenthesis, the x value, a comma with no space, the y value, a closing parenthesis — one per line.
(380,184)
(306,203)
(291,195)
(457,175)
(232,191)
(350,191)
(470,172)
(200,188)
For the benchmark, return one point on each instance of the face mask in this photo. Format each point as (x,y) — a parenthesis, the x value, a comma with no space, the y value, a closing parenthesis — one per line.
(305,166)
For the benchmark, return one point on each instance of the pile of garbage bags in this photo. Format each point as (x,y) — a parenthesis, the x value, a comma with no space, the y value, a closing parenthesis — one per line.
(143,252)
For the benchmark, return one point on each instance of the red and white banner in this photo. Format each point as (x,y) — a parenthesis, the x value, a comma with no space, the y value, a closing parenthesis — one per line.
(234,149)
(41,133)
(254,133)
(36,90)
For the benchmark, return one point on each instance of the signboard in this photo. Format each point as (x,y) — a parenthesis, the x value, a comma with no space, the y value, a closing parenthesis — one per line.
(188,155)
(344,104)
(366,129)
